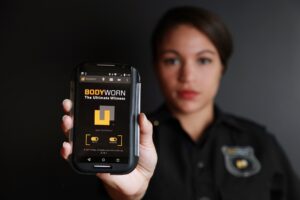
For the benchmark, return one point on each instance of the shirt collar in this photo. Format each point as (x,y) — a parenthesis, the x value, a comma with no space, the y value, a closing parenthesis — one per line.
(163,114)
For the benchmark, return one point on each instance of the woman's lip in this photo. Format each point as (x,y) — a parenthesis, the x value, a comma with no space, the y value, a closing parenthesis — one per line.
(187,94)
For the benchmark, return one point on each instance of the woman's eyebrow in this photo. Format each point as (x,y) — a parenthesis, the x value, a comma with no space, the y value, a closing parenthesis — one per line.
(206,51)
(169,51)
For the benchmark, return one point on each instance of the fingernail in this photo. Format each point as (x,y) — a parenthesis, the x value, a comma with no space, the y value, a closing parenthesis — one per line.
(64,117)
(64,101)
(65,144)
(144,117)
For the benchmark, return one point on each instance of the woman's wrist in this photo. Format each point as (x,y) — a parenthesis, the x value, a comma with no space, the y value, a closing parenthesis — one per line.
(117,193)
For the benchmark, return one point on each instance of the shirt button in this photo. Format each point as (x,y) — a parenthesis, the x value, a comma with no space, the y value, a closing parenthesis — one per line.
(204,198)
(156,123)
(200,165)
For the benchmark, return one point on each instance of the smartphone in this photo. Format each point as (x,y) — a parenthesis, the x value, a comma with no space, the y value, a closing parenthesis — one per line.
(105,135)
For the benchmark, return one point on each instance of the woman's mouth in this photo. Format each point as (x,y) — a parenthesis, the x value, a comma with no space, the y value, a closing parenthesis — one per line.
(187,94)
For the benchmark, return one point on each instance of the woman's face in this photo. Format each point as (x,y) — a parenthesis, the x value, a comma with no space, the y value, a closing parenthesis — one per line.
(189,69)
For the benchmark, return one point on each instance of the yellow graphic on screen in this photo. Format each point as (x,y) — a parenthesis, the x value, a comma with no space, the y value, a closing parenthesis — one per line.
(89,139)
(118,140)
(104,116)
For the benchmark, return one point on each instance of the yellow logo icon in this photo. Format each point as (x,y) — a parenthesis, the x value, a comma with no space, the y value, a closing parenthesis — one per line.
(104,115)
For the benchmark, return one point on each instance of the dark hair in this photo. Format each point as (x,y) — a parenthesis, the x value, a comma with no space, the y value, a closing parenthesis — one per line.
(205,21)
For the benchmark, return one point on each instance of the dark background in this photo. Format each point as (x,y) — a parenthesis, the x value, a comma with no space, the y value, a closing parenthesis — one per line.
(42,40)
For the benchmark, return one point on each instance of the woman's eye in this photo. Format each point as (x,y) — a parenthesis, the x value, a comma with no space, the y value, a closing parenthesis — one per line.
(171,61)
(204,61)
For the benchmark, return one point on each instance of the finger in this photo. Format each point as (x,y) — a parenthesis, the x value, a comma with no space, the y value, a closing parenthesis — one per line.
(66,124)
(66,150)
(67,105)
(146,131)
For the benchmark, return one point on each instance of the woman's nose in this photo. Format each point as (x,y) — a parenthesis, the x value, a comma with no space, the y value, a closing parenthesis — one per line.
(186,73)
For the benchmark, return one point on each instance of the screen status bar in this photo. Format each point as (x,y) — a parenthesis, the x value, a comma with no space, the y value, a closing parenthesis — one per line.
(104,79)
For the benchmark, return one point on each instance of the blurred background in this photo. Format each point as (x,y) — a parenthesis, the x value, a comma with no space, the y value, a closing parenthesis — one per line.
(41,41)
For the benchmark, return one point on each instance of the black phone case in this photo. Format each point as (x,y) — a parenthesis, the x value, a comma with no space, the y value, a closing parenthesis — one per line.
(114,168)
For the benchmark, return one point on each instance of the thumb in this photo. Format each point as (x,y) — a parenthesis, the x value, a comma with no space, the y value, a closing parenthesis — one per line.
(146,131)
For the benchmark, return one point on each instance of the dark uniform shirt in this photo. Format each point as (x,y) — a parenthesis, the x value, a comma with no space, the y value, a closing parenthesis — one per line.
(235,159)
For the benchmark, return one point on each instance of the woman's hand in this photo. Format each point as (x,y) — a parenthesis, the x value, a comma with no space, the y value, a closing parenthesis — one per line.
(128,186)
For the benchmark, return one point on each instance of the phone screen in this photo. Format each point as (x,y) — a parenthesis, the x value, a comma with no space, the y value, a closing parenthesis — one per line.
(102,116)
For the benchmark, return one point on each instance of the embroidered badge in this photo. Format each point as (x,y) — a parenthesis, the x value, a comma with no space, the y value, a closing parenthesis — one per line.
(241,161)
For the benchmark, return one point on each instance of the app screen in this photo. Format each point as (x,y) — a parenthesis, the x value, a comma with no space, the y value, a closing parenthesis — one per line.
(102,124)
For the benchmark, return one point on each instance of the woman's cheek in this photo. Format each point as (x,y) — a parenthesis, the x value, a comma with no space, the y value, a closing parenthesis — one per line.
(168,80)
(214,87)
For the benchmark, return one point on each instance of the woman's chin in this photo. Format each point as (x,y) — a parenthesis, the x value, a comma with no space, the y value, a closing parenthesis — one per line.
(188,107)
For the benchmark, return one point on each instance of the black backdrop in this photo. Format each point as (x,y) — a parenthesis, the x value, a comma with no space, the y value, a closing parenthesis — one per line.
(41,41)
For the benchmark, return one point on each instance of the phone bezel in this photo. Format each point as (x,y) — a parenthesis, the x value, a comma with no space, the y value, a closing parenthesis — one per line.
(114,168)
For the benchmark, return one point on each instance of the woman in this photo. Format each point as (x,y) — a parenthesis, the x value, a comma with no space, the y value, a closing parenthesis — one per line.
(202,152)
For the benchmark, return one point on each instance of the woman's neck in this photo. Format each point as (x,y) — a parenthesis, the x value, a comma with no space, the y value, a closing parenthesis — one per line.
(196,122)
